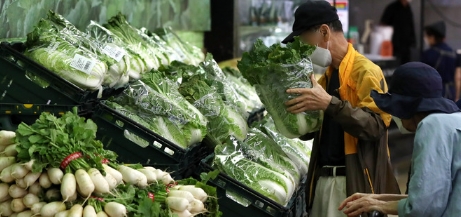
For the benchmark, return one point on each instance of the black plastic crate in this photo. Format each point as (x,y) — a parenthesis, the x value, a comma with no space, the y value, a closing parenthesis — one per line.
(149,147)
(256,204)
(12,114)
(17,87)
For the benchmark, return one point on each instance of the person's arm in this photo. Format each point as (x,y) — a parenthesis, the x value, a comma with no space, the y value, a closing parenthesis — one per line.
(458,83)
(364,121)
(430,183)
(359,203)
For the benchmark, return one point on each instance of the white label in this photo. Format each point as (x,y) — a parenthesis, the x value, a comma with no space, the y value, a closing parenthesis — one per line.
(114,52)
(82,63)
(237,158)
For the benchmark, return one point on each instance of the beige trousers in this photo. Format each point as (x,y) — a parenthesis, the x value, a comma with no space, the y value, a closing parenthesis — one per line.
(329,193)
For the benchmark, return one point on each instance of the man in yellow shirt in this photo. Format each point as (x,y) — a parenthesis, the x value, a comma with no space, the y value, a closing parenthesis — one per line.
(350,152)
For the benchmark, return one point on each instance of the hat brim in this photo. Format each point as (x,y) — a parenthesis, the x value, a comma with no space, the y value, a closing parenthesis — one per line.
(291,37)
(405,107)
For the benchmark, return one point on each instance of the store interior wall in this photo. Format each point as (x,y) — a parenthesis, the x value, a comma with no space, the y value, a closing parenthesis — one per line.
(448,12)
(362,10)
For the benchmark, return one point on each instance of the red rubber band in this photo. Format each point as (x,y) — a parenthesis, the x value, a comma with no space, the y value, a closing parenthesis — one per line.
(151,196)
(105,161)
(69,159)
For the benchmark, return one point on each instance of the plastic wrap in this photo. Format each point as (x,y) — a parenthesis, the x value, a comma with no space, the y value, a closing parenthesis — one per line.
(188,53)
(165,113)
(272,71)
(231,159)
(46,47)
(104,38)
(223,119)
(115,57)
(298,151)
(243,88)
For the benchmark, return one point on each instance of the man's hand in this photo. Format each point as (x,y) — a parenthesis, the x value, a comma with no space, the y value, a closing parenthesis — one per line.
(364,204)
(353,197)
(310,99)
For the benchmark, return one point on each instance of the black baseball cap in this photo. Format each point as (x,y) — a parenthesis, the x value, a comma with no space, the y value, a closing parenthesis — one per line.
(310,14)
(438,28)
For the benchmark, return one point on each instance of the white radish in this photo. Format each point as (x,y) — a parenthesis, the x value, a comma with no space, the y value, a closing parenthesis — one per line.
(4,194)
(164,177)
(31,178)
(17,205)
(50,209)
(196,206)
(14,215)
(101,214)
(133,176)
(110,181)
(10,150)
(183,194)
(198,193)
(6,162)
(17,192)
(69,186)
(177,203)
(36,189)
(100,184)
(18,171)
(84,183)
(150,175)
(64,213)
(29,165)
(76,211)
(37,207)
(27,213)
(114,173)
(5,208)
(21,183)
(2,148)
(53,195)
(44,181)
(114,209)
(5,176)
(55,175)
(89,211)
(7,137)
(30,199)
(73,197)
(184,213)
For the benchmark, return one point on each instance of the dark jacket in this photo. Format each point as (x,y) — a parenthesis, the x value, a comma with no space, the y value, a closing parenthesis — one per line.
(368,168)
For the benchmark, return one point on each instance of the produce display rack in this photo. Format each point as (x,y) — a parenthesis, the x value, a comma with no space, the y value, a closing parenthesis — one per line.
(12,114)
(116,131)
(256,204)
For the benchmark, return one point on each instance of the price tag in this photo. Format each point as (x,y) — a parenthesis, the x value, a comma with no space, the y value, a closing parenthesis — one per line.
(82,63)
(114,52)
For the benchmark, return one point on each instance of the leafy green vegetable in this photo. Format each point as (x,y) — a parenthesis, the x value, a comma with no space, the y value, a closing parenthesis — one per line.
(298,151)
(160,104)
(273,70)
(223,119)
(261,179)
(47,47)
(188,53)
(260,148)
(243,88)
(50,140)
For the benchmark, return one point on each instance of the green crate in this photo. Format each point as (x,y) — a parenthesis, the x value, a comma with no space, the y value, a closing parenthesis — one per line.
(256,204)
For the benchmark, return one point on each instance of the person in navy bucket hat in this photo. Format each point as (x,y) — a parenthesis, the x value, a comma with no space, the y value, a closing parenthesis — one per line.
(416,103)
(415,87)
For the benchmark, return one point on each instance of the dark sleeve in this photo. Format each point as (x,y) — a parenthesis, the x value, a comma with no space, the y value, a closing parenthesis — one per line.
(458,60)
(429,57)
(386,18)
(361,123)
(412,29)
(307,137)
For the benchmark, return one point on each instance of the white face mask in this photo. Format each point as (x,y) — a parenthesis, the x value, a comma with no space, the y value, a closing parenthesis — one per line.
(321,59)
(402,129)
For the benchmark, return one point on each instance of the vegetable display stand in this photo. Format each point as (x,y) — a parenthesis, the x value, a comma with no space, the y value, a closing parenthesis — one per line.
(250,202)
(12,114)
(24,81)
(136,144)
